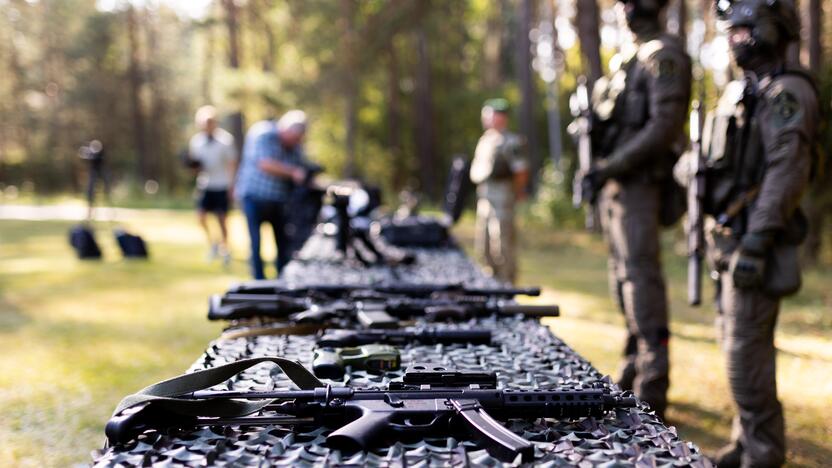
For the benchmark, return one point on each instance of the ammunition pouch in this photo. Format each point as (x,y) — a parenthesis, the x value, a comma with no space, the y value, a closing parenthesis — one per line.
(782,276)
(673,202)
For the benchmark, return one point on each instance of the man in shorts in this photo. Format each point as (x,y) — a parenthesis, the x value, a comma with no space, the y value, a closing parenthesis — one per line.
(215,159)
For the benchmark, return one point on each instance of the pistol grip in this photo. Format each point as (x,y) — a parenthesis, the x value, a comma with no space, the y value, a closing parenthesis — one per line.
(361,434)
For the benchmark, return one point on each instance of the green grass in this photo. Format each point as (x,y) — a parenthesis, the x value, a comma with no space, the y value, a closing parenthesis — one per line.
(572,269)
(78,336)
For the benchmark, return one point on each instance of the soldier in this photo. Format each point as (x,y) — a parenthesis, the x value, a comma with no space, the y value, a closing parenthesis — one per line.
(501,175)
(758,157)
(638,118)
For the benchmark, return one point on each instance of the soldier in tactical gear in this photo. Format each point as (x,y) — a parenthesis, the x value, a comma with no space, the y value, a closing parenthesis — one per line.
(757,149)
(501,174)
(637,132)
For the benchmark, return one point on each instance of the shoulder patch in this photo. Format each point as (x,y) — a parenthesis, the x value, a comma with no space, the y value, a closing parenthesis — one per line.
(785,108)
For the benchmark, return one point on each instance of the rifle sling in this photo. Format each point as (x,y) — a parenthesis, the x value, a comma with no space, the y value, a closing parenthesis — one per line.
(164,395)
(739,204)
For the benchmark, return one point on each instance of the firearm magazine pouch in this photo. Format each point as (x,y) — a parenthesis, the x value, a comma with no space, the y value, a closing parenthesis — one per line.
(82,239)
(414,231)
(782,276)
(673,202)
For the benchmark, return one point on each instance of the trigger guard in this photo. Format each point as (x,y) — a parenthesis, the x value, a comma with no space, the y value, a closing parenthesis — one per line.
(408,426)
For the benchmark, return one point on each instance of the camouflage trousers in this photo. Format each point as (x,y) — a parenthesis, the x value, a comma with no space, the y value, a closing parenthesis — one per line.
(745,324)
(629,216)
(495,239)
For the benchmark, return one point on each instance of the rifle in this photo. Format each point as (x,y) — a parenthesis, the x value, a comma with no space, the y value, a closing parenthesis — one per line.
(330,362)
(580,130)
(341,290)
(343,338)
(371,309)
(362,418)
(696,195)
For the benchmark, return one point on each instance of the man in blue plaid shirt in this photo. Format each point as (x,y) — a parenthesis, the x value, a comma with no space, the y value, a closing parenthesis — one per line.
(271,164)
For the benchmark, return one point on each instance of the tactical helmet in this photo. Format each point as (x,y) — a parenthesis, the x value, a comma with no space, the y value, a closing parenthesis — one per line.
(647,5)
(643,15)
(773,23)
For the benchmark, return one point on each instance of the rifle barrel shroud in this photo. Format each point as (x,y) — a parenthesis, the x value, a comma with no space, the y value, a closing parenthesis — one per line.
(367,418)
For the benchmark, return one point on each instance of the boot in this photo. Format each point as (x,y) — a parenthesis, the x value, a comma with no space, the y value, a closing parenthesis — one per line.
(729,456)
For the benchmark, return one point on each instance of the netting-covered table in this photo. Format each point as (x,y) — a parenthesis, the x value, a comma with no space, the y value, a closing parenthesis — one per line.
(524,354)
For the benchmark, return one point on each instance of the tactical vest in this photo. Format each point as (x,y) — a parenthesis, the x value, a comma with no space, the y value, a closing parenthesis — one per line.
(734,153)
(621,108)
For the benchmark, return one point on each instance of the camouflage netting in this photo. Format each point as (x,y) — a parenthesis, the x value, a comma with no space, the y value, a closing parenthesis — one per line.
(525,355)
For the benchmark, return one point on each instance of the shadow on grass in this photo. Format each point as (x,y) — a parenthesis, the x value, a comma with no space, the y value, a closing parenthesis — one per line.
(11,317)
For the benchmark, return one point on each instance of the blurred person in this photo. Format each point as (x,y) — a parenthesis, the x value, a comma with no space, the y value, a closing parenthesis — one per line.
(639,113)
(93,154)
(214,158)
(758,150)
(501,174)
(272,164)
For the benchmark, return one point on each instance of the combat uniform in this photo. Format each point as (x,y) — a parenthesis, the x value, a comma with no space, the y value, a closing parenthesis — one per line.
(758,147)
(639,114)
(497,158)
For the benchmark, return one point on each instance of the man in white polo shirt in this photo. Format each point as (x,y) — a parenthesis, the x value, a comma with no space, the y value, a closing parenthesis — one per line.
(213,151)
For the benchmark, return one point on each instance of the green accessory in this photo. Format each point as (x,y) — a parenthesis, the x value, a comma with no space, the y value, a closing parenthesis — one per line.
(497,105)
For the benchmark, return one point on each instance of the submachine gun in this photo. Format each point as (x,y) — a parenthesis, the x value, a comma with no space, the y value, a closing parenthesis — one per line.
(580,129)
(695,223)
(430,399)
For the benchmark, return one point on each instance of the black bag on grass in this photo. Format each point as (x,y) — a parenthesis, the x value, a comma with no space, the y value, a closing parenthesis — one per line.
(82,239)
(132,246)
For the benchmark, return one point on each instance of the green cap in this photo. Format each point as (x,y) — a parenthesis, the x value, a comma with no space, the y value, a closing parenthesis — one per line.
(497,104)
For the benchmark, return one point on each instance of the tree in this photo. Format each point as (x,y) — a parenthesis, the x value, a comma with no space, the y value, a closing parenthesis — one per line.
(587,23)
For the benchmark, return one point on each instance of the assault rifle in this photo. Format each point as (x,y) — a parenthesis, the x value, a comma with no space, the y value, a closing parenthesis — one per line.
(371,309)
(343,338)
(580,129)
(405,289)
(695,225)
(362,418)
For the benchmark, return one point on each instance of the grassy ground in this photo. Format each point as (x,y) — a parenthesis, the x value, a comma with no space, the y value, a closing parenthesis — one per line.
(78,336)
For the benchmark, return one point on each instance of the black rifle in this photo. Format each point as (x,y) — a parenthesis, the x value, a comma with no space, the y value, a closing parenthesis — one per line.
(695,224)
(365,418)
(341,290)
(350,338)
(581,130)
(373,310)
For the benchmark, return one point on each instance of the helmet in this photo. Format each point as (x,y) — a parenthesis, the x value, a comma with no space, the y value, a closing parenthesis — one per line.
(773,23)
(643,15)
(653,6)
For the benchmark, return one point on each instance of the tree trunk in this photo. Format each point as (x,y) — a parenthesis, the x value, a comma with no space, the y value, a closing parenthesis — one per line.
(136,81)
(232,23)
(350,84)
(526,84)
(493,46)
(423,128)
(816,203)
(394,141)
(587,23)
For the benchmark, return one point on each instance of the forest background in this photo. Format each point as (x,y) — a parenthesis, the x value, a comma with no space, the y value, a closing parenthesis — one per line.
(393,88)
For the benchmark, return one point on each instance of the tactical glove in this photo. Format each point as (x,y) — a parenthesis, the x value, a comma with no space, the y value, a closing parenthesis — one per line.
(749,261)
(592,183)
